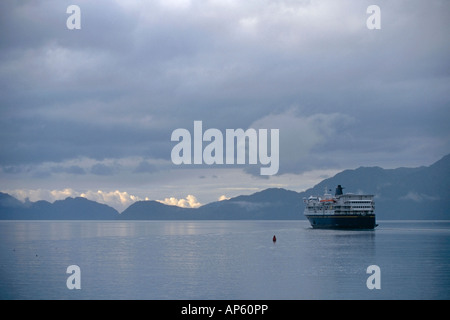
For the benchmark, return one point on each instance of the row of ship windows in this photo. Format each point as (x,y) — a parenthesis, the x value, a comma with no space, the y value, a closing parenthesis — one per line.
(347,202)
(340,208)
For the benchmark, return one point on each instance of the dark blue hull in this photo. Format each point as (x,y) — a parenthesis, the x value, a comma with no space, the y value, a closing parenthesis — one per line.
(342,221)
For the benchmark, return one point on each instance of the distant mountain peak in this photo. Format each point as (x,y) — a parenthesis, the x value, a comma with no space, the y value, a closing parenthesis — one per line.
(402,193)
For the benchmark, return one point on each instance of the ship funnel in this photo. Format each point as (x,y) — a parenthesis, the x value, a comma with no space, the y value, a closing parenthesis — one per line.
(339,190)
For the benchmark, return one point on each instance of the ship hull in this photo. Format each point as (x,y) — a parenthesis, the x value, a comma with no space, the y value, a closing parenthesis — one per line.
(342,221)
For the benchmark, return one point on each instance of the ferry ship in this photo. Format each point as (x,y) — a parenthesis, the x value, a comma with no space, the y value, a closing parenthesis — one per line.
(341,211)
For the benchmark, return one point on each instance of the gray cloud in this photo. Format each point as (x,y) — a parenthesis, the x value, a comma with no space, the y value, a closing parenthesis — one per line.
(145,167)
(102,170)
(76,170)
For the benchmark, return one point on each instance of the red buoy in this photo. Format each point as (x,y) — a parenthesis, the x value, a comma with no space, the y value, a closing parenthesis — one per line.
(274,238)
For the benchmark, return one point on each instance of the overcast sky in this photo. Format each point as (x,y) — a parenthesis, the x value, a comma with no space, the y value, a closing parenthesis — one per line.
(90,112)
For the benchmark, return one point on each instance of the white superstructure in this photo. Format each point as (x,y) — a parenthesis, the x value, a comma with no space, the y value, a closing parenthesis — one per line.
(341,210)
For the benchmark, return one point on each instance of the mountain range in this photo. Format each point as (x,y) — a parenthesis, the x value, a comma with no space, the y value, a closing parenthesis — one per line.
(402,193)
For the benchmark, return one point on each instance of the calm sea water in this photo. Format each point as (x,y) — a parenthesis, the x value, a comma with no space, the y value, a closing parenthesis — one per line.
(222,260)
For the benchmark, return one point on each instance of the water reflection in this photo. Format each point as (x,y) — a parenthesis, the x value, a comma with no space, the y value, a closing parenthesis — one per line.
(221,260)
